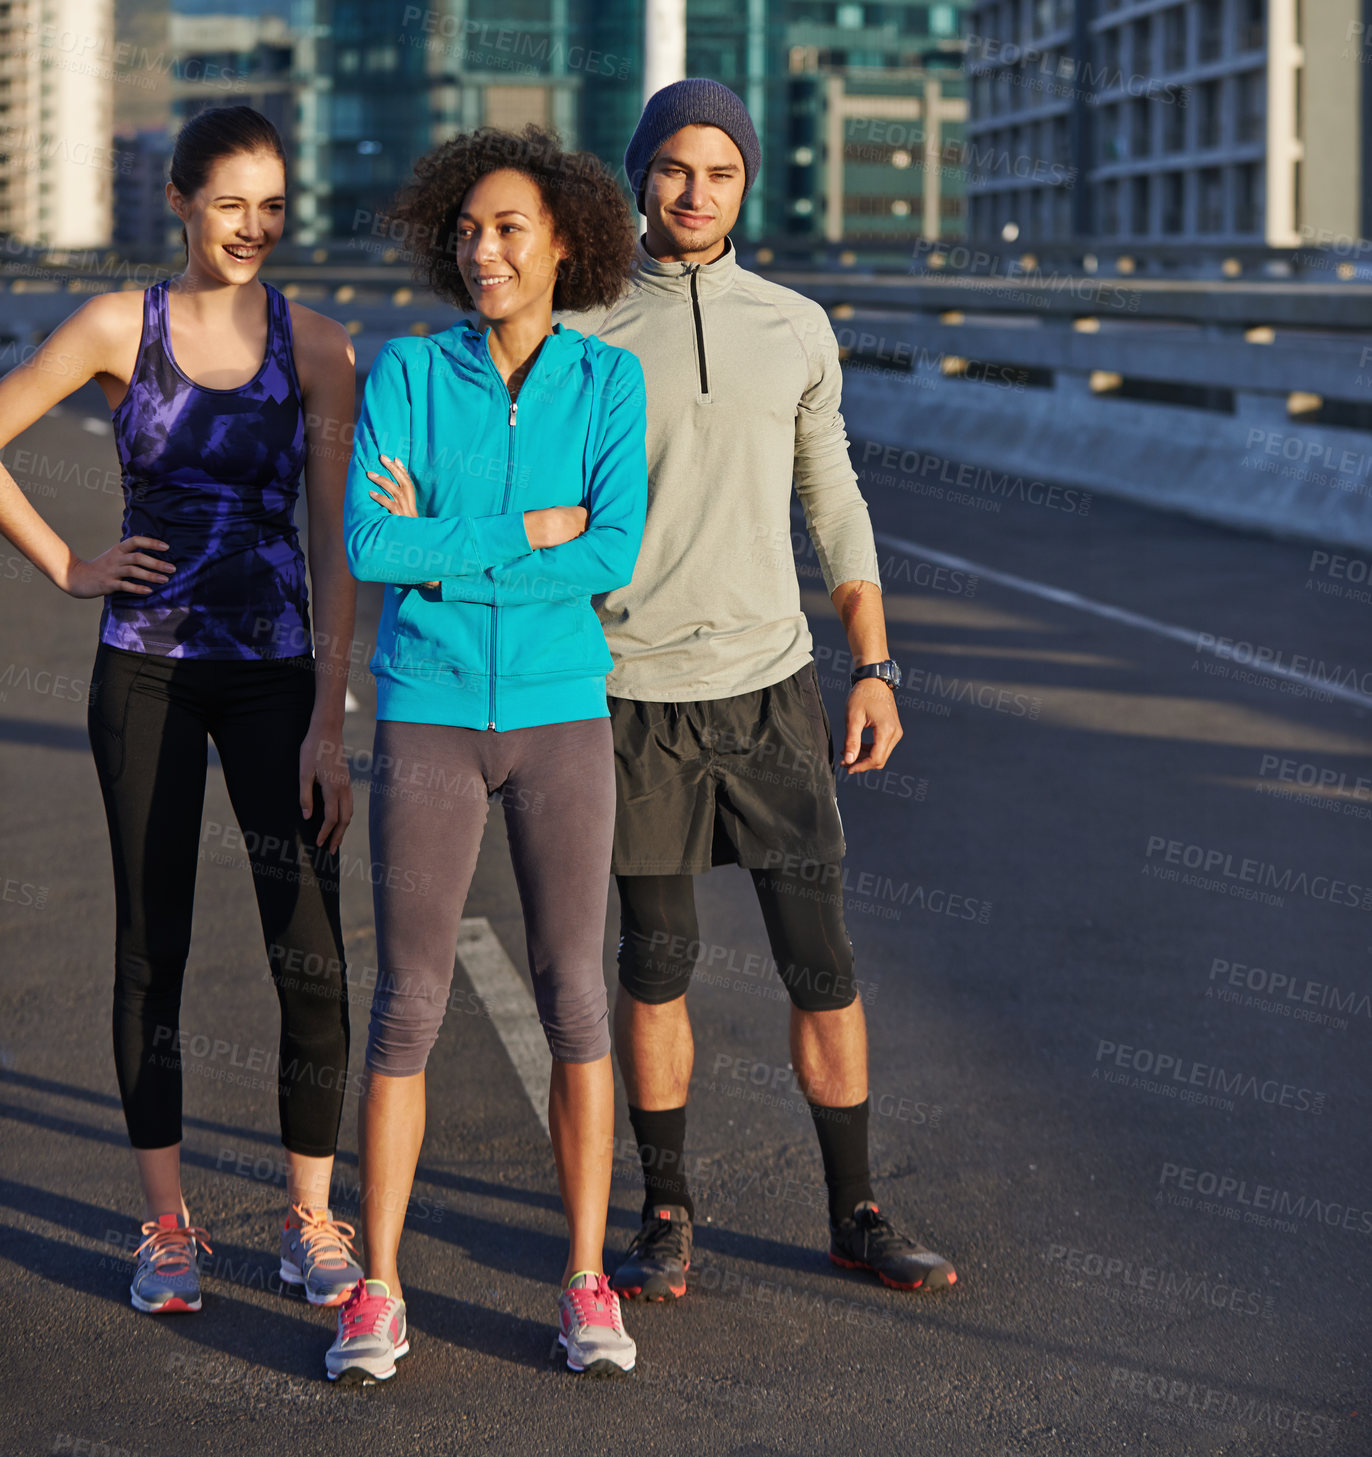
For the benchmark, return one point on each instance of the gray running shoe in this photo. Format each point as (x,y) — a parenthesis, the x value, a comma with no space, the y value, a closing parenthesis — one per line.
(315,1255)
(655,1264)
(372,1336)
(167,1279)
(592,1330)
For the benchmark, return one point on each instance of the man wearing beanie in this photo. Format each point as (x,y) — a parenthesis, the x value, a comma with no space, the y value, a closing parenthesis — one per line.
(723,748)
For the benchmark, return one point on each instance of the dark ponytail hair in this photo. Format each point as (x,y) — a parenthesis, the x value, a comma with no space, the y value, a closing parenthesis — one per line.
(222,131)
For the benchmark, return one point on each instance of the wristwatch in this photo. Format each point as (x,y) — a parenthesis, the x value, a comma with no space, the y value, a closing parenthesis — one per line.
(888,672)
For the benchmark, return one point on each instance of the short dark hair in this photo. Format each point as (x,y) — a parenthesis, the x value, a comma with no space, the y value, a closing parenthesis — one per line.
(590,214)
(219,131)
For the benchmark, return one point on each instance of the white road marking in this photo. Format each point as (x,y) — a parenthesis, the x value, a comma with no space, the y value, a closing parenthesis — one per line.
(1197,641)
(510,1006)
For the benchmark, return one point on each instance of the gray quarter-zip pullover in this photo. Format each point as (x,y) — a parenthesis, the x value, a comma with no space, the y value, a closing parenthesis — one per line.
(743,388)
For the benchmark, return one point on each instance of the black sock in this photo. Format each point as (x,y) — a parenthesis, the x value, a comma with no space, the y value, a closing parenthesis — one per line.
(661,1136)
(843,1147)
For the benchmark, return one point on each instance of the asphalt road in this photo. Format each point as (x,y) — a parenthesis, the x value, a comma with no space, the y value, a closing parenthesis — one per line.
(1112,910)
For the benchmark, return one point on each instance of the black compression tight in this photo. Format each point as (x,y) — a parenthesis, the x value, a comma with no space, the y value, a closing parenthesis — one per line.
(150,718)
(802,908)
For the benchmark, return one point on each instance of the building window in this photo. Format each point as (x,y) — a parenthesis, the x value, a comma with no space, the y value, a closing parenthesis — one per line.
(1174,39)
(943,20)
(849,17)
(1110,57)
(1110,209)
(1211,40)
(512,107)
(1252,109)
(1249,201)
(1209,115)
(1211,200)
(1173,202)
(1174,128)
(1252,34)
(1141,61)
(1141,220)
(1140,123)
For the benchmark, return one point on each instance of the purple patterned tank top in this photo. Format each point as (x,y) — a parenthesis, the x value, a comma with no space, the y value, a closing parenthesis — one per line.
(215,474)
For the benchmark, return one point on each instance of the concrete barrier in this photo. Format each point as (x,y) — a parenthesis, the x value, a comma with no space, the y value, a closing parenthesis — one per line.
(1309,483)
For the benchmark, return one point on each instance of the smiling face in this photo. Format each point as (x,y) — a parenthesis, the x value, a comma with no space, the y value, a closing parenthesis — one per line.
(507,251)
(236,218)
(692,194)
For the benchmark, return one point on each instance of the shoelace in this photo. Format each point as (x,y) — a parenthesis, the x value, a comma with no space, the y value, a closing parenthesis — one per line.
(171,1251)
(597,1305)
(327,1241)
(664,1236)
(878,1231)
(363,1313)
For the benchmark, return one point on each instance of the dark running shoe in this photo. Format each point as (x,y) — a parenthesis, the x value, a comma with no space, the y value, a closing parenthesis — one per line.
(869,1241)
(655,1264)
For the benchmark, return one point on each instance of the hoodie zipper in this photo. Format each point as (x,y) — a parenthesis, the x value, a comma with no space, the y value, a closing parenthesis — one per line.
(700,332)
(504,506)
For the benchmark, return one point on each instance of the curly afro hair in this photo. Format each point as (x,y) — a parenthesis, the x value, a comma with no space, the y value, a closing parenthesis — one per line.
(590,215)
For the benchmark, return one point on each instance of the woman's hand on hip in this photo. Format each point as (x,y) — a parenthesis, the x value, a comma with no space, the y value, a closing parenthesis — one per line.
(554,525)
(125,567)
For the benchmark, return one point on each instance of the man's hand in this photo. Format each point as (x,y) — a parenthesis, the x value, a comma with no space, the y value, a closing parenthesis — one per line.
(871,705)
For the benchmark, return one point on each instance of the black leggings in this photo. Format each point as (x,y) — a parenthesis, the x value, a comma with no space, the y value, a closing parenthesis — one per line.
(149,720)
(802,907)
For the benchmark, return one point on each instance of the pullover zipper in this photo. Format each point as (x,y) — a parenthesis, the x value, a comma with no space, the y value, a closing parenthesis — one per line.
(700,332)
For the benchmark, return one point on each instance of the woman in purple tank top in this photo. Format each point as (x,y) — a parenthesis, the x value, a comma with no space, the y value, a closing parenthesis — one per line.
(222,394)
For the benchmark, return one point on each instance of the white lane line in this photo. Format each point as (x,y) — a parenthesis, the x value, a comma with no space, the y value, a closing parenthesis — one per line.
(510,1006)
(1197,641)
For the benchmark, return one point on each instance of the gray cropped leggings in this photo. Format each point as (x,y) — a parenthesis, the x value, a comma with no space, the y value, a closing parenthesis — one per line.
(430,788)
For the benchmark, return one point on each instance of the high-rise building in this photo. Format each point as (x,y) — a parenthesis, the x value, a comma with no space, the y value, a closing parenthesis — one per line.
(268,62)
(56,155)
(859,109)
(1226,121)
(143,222)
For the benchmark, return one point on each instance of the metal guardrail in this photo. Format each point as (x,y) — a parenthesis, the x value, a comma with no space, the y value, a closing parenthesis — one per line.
(1323,258)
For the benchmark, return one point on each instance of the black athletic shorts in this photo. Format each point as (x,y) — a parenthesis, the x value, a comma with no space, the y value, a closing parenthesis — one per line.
(726,781)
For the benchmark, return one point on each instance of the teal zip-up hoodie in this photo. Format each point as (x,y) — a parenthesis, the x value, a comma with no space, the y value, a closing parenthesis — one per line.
(509,638)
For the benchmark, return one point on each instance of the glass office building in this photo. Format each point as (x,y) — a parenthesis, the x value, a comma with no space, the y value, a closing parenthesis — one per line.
(860,108)
(1221,121)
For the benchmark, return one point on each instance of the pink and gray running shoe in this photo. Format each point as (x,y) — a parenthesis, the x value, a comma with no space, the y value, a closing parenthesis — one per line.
(372,1336)
(592,1330)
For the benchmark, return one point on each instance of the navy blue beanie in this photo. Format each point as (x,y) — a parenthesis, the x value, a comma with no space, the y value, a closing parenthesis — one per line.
(693,102)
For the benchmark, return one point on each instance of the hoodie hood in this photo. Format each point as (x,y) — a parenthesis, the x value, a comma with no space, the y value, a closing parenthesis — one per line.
(468,347)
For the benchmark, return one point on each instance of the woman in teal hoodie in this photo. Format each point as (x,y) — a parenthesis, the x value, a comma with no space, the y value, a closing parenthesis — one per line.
(498,481)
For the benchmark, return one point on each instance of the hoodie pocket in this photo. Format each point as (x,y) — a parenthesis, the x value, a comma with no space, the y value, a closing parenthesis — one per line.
(559,639)
(436,641)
